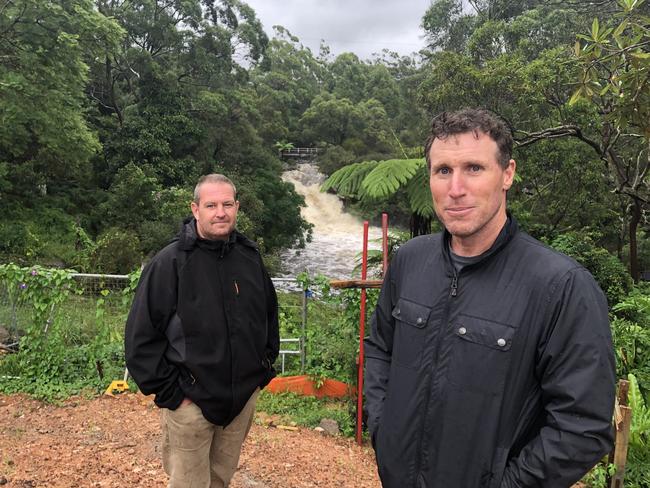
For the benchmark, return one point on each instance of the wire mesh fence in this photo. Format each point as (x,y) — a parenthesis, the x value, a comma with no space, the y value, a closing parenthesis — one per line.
(102,300)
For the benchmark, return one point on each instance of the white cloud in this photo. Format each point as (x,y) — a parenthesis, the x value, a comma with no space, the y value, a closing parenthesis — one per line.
(359,26)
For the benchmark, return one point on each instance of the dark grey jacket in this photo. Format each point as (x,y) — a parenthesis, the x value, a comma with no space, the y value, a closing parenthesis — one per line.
(203,325)
(500,376)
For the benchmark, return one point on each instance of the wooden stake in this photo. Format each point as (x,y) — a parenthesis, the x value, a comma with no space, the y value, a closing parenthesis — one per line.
(623,421)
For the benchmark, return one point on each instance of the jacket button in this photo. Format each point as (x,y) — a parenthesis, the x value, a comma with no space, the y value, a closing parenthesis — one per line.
(501,342)
(419,320)
(462,331)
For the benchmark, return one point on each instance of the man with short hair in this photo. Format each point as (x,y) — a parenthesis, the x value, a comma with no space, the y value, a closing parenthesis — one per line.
(490,361)
(202,335)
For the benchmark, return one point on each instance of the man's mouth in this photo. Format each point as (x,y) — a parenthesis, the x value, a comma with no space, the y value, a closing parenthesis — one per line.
(459,210)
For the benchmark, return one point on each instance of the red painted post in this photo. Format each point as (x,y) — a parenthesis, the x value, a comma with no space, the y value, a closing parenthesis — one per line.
(384,243)
(362,333)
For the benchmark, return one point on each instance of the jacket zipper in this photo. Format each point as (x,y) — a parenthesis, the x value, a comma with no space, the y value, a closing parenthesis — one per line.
(454,284)
(453,291)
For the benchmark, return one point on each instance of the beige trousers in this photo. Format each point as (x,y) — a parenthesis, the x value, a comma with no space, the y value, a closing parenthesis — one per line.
(199,454)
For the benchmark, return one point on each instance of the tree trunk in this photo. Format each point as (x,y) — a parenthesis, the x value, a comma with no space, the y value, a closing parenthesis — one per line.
(419,225)
(635,218)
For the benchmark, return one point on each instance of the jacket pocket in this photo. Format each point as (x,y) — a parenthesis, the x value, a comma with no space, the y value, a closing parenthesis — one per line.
(411,320)
(480,354)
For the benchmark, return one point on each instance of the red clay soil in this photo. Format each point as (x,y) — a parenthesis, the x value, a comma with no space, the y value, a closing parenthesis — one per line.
(115,442)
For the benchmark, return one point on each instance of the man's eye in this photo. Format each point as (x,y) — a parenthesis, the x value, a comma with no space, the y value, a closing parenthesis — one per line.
(444,171)
(475,168)
(229,205)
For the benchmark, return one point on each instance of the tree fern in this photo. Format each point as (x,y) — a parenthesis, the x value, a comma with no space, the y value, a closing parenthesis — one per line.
(419,193)
(347,180)
(381,179)
(389,176)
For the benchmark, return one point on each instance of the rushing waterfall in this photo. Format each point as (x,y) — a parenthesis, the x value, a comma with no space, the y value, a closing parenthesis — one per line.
(337,236)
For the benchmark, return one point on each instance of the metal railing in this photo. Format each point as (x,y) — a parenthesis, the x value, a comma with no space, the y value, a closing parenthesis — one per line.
(285,352)
(300,152)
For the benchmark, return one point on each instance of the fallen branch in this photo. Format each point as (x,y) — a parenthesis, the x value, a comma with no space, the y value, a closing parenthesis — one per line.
(356,283)
(8,347)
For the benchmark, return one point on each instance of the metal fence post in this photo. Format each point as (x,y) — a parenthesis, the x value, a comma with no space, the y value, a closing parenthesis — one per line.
(303,335)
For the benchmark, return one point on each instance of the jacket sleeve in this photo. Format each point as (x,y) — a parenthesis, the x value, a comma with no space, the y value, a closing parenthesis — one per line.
(144,339)
(378,348)
(575,367)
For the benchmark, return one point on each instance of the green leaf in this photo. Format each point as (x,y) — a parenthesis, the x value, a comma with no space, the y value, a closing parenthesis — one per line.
(619,30)
(389,176)
(606,34)
(594,29)
(576,96)
(347,180)
(419,193)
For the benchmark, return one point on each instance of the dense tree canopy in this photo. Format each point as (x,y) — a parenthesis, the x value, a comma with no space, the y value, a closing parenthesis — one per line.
(112,109)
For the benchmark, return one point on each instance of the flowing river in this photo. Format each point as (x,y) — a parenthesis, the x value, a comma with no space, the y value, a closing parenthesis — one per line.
(337,239)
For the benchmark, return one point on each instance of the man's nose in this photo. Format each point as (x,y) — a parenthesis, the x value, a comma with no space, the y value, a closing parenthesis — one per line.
(456,185)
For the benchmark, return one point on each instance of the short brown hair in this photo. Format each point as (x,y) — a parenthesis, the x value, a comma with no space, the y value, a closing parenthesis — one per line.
(213,178)
(472,120)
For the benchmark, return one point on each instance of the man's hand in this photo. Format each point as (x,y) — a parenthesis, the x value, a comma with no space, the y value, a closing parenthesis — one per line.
(186,401)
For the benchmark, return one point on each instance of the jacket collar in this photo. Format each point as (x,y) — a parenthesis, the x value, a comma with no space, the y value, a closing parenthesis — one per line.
(511,229)
(188,239)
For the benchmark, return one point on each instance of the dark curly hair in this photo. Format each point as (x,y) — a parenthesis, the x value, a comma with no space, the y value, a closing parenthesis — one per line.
(472,120)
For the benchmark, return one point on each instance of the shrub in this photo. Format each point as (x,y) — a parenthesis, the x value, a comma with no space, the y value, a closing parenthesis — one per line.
(631,334)
(117,251)
(608,271)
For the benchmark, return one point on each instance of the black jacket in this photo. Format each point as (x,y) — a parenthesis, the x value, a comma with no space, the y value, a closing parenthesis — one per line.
(203,325)
(499,376)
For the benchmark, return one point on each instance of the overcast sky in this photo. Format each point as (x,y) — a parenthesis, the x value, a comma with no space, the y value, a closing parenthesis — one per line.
(359,26)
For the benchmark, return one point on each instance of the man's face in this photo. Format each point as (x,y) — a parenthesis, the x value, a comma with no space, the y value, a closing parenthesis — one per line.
(469,187)
(216,212)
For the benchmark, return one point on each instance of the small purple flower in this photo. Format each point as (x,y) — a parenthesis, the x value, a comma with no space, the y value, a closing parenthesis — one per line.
(22,286)
(34,272)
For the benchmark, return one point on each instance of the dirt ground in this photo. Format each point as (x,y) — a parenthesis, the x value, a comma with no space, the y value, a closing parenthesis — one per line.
(115,442)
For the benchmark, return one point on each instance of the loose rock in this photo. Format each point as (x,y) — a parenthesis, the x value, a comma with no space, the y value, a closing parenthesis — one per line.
(330,426)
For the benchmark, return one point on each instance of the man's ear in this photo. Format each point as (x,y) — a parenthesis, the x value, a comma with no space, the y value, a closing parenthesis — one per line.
(509,174)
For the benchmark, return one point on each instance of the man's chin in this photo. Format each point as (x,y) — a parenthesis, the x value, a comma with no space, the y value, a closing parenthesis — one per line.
(458,229)
(220,234)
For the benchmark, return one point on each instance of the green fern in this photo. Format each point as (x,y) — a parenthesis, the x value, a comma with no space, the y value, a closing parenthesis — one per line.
(640,428)
(389,176)
(370,180)
(347,180)
(419,193)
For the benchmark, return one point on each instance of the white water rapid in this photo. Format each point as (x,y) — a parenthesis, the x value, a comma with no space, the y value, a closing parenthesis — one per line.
(337,237)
